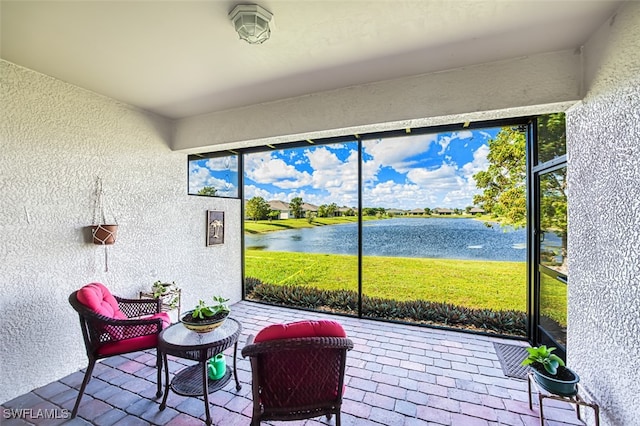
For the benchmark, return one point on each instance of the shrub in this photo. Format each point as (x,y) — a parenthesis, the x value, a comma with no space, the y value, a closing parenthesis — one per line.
(250,283)
(420,311)
(342,300)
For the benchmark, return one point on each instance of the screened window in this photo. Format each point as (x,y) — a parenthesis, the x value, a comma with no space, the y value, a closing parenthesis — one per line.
(214,175)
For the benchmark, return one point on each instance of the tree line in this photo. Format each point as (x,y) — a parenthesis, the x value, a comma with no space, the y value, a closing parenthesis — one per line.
(257,208)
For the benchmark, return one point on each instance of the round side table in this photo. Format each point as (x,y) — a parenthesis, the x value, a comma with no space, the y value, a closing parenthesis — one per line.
(181,342)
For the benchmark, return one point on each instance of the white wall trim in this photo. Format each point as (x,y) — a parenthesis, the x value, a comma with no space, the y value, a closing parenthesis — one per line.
(528,85)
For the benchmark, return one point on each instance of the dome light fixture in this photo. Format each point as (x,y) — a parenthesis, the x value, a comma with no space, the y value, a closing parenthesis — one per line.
(251,22)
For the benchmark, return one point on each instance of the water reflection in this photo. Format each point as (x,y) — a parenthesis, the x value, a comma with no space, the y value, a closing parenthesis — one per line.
(403,237)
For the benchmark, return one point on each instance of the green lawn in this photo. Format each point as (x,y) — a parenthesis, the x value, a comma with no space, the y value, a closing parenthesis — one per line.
(553,295)
(474,284)
(262,226)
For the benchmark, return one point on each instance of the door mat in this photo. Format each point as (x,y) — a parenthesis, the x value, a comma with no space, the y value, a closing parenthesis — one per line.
(510,357)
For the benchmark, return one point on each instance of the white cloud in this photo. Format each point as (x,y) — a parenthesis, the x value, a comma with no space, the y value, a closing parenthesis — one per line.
(463,195)
(332,174)
(341,199)
(460,198)
(405,196)
(332,180)
(200,177)
(396,152)
(266,168)
(465,134)
(478,163)
(450,185)
(293,183)
(321,158)
(444,176)
(251,191)
(337,146)
(444,141)
(370,170)
(223,163)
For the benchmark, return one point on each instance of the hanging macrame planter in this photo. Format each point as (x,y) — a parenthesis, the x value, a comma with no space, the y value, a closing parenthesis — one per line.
(103,233)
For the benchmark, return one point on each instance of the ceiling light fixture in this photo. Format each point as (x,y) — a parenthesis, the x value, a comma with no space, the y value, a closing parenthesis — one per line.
(251,22)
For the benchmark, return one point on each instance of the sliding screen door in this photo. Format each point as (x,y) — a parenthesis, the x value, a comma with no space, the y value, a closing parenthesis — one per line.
(549,177)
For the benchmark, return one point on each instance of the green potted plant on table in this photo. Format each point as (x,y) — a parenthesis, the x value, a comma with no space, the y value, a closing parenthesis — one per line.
(206,317)
(550,372)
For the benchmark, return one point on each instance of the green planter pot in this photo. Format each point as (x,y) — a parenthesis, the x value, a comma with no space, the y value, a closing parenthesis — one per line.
(557,386)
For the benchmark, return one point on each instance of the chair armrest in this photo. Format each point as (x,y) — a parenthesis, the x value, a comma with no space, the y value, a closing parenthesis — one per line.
(249,341)
(112,330)
(139,307)
(319,343)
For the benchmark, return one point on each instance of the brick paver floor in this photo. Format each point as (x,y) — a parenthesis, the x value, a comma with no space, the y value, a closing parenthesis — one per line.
(396,375)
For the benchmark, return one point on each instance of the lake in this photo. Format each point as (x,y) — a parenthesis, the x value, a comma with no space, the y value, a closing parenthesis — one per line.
(403,237)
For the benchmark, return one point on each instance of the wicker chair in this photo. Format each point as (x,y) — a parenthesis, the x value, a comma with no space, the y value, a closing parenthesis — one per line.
(298,370)
(114,326)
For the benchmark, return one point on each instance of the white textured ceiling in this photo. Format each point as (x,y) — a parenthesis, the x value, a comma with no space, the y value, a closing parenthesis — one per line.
(183,58)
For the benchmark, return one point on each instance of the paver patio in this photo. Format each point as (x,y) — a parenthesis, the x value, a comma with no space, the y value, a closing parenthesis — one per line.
(396,375)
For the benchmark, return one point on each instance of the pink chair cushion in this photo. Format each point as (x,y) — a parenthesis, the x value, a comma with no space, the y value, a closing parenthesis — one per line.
(308,328)
(166,321)
(135,343)
(97,297)
(129,345)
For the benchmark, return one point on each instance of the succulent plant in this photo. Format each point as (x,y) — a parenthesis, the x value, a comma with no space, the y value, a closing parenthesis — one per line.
(203,310)
(542,355)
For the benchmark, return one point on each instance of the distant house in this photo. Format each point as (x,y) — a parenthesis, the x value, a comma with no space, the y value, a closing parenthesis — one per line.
(284,212)
(306,207)
(342,211)
(476,210)
(442,211)
(416,212)
(397,212)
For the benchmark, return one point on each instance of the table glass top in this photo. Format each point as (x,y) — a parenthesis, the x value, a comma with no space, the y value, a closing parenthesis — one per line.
(177,334)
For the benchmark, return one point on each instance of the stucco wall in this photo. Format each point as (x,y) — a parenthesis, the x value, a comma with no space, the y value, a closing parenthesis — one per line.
(604,221)
(55,139)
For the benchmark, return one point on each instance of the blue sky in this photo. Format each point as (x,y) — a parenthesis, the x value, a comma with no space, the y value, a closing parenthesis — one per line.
(413,171)
(220,173)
